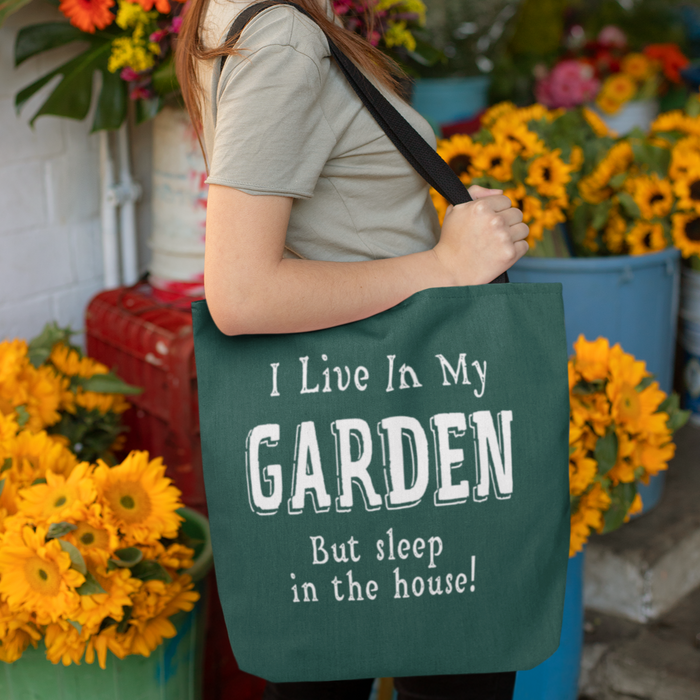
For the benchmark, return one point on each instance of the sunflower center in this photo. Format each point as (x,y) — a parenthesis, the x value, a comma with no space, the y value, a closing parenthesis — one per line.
(88,538)
(60,501)
(647,240)
(495,162)
(547,174)
(656,197)
(695,190)
(629,402)
(130,501)
(692,230)
(42,576)
(461,163)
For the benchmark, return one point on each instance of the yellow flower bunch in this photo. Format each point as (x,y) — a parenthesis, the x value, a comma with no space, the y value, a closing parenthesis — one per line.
(49,385)
(90,556)
(136,51)
(639,77)
(620,434)
(509,154)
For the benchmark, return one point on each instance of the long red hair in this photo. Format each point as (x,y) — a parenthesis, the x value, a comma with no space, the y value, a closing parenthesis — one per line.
(190,50)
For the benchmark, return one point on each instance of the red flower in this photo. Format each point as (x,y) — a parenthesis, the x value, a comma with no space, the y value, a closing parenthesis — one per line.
(88,15)
(670,57)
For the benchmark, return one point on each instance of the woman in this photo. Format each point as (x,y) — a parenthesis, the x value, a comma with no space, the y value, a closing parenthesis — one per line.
(314,218)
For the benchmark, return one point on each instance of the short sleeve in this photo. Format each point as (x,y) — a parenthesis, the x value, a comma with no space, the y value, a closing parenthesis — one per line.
(270,134)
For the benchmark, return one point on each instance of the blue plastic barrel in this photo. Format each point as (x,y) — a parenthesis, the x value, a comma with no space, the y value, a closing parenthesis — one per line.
(631,300)
(447,100)
(557,677)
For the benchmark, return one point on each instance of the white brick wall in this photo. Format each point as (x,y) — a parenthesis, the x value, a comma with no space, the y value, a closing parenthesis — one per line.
(50,248)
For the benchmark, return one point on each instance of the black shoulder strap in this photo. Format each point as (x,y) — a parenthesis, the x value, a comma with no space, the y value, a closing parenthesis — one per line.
(417,151)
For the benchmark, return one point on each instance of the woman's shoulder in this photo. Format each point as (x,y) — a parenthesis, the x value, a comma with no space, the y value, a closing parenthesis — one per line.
(280,25)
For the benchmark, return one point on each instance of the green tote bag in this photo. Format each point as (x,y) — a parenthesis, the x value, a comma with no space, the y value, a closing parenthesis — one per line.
(390,497)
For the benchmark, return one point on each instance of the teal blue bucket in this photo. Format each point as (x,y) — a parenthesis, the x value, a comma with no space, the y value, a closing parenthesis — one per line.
(172,671)
(631,300)
(446,100)
(557,677)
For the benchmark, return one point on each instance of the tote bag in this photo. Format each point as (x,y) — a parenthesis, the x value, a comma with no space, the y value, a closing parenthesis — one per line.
(390,497)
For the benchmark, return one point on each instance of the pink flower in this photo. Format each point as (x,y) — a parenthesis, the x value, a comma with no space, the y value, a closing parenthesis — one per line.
(175,26)
(139,93)
(128,75)
(570,83)
(612,36)
(158,35)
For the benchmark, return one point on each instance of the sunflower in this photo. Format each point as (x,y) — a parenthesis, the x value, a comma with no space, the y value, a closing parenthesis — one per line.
(686,233)
(676,120)
(685,156)
(35,454)
(17,632)
(576,158)
(600,128)
(582,471)
(624,469)
(617,89)
(655,458)
(95,536)
(459,153)
(119,586)
(653,195)
(175,556)
(592,358)
(493,114)
(60,498)
(595,188)
(496,159)
(88,15)
(64,643)
(637,66)
(588,516)
(687,189)
(524,142)
(646,237)
(590,240)
(104,403)
(69,362)
(37,576)
(139,498)
(549,174)
(614,233)
(531,208)
(107,640)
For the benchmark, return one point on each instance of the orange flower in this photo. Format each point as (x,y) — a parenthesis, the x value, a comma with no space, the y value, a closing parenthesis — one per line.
(671,58)
(88,15)
(163,6)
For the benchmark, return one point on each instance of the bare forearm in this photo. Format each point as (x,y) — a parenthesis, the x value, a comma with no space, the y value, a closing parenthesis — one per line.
(306,295)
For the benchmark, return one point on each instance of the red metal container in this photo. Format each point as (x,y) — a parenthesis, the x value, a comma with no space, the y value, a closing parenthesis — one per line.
(149,344)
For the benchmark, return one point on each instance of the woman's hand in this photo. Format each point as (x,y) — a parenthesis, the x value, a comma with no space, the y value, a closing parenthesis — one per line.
(480,240)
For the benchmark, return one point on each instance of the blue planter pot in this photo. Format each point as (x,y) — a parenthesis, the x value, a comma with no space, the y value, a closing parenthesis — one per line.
(557,677)
(631,300)
(446,100)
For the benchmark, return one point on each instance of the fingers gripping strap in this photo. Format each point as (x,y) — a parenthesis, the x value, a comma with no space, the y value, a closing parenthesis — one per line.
(417,151)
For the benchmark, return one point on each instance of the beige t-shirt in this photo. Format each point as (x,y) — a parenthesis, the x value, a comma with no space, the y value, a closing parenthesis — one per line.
(283,120)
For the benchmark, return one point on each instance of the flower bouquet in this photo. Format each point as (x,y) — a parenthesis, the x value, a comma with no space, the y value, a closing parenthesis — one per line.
(607,71)
(49,385)
(91,557)
(620,434)
(533,153)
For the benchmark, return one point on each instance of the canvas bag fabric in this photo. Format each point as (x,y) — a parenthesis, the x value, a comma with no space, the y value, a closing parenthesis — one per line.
(390,497)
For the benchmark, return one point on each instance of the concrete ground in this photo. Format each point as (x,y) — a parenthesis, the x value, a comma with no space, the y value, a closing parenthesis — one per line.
(645,644)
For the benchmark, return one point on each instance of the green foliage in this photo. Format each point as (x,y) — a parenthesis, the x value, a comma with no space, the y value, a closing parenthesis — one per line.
(108,384)
(77,561)
(149,570)
(40,347)
(91,586)
(605,452)
(57,530)
(622,496)
(127,557)
(72,95)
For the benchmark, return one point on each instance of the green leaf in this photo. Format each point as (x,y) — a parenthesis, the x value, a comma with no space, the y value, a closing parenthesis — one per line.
(108,384)
(149,570)
(107,622)
(616,181)
(7,464)
(2,485)
(605,452)
(40,480)
(38,38)
(77,625)
(622,496)
(75,556)
(57,530)
(111,104)
(147,109)
(646,382)
(91,586)
(584,388)
(22,415)
(629,205)
(127,557)
(164,80)
(123,626)
(40,347)
(601,212)
(8,7)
